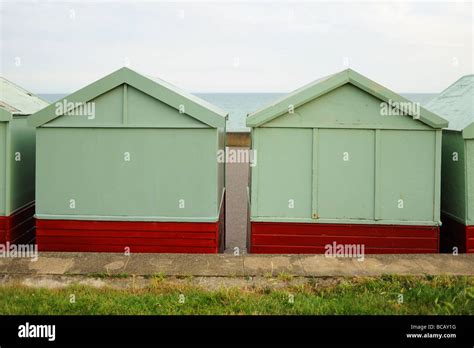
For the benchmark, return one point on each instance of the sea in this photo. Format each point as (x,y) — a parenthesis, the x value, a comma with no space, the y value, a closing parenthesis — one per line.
(238,105)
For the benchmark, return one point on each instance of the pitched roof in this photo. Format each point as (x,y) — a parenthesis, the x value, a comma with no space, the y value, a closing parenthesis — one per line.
(327,84)
(18,101)
(456,103)
(156,88)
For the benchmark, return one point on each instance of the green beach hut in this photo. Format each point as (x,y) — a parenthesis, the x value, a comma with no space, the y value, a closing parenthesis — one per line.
(17,163)
(130,163)
(456,104)
(344,161)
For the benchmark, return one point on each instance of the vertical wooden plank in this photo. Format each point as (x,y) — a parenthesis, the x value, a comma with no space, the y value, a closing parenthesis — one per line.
(125,104)
(437,177)
(315,176)
(3,166)
(8,171)
(219,192)
(377,177)
(406,178)
(345,174)
(468,187)
(254,178)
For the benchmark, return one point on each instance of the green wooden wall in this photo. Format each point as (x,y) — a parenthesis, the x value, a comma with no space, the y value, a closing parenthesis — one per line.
(17,164)
(470,180)
(22,163)
(457,198)
(345,188)
(453,174)
(138,159)
(283,173)
(337,159)
(3,167)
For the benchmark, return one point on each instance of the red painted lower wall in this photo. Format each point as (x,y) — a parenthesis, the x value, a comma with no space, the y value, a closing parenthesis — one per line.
(308,238)
(456,234)
(140,237)
(470,239)
(19,227)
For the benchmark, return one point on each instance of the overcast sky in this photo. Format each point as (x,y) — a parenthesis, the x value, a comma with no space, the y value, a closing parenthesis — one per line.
(58,47)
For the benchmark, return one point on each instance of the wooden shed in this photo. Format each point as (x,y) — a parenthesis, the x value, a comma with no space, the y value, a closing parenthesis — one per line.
(129,163)
(17,163)
(345,161)
(456,104)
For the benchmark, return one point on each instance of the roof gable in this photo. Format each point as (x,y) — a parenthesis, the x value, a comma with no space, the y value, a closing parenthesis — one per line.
(456,103)
(327,84)
(18,101)
(158,89)
(346,107)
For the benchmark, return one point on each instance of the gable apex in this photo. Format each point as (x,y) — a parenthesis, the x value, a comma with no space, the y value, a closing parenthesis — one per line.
(156,88)
(329,83)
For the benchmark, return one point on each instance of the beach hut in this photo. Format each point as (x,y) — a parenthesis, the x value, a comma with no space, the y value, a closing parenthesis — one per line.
(17,163)
(130,163)
(457,175)
(345,162)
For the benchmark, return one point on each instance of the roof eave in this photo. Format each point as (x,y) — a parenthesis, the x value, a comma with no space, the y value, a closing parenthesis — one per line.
(80,96)
(385,94)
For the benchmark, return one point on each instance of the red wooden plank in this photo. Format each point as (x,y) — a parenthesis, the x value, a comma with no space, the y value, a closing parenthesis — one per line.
(127,225)
(470,239)
(19,227)
(3,222)
(343,230)
(453,234)
(125,241)
(23,230)
(266,249)
(125,233)
(114,236)
(382,242)
(22,214)
(3,229)
(120,249)
(311,238)
(28,237)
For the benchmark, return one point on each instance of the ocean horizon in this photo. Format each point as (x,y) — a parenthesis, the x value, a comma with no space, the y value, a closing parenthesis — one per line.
(240,104)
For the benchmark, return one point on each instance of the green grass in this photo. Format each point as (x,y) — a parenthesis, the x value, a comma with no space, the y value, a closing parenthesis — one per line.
(381,295)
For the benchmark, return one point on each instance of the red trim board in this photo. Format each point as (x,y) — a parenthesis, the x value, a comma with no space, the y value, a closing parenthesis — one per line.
(311,238)
(19,227)
(470,239)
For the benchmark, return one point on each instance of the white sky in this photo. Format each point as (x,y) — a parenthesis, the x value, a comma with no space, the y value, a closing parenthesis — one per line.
(58,47)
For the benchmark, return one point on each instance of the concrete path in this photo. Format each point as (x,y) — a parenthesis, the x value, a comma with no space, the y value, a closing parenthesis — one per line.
(236,204)
(228,265)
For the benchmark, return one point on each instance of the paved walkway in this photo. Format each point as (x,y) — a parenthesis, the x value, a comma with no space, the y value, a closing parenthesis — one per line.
(228,265)
(237,175)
